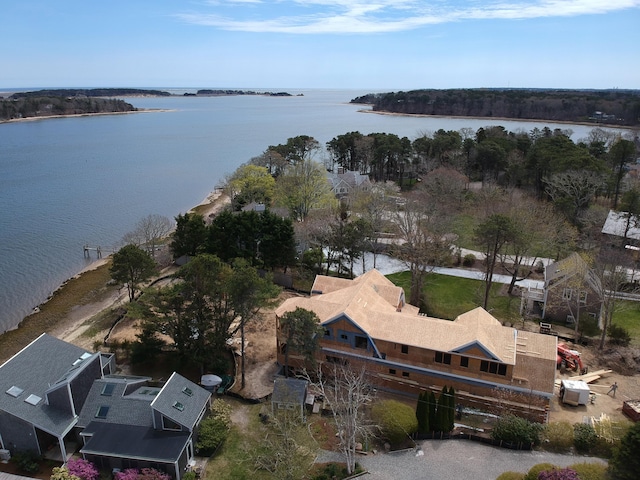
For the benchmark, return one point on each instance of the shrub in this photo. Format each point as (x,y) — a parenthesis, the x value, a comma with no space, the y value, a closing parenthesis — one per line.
(83,469)
(534,471)
(215,428)
(152,474)
(510,428)
(61,473)
(559,474)
(396,420)
(127,474)
(511,476)
(189,476)
(468,260)
(590,471)
(619,335)
(27,461)
(584,437)
(625,463)
(558,437)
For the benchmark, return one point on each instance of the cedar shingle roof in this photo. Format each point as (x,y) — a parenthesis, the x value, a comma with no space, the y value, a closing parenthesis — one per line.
(375,305)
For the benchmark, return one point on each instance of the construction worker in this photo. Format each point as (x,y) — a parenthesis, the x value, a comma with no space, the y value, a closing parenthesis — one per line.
(613,389)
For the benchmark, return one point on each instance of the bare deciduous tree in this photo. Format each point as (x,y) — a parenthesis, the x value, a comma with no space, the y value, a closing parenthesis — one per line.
(149,232)
(347,391)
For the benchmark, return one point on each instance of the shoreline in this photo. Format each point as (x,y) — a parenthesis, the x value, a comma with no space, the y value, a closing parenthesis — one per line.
(72,307)
(73,115)
(506,119)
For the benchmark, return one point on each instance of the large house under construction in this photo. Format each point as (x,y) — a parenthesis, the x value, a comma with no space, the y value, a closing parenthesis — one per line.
(367,320)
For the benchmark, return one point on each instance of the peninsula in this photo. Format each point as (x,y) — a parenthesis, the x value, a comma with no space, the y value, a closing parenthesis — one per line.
(607,107)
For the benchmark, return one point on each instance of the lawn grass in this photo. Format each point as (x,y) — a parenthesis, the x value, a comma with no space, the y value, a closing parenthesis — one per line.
(447,296)
(627,315)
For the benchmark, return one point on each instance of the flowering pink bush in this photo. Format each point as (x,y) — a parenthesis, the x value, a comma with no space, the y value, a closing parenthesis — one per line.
(128,474)
(83,469)
(559,474)
(145,474)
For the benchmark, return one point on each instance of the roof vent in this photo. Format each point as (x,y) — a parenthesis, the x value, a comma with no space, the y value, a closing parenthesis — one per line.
(15,391)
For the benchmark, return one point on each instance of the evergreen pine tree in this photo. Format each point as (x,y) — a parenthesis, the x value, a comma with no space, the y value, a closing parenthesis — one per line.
(422,412)
(452,409)
(431,404)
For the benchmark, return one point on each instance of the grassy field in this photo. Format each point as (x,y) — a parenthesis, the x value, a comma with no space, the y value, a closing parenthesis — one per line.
(447,296)
(627,315)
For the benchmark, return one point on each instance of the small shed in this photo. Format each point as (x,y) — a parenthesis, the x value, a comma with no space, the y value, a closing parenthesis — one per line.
(288,394)
(574,392)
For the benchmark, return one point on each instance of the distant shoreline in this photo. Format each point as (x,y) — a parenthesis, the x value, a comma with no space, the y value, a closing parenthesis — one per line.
(527,120)
(71,115)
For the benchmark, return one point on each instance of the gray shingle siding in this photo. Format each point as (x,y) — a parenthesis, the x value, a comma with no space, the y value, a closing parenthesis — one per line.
(17,435)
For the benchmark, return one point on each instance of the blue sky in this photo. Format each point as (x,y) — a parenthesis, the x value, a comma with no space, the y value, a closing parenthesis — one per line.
(361,44)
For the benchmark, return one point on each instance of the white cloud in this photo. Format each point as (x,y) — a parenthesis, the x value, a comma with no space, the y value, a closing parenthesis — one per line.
(381,16)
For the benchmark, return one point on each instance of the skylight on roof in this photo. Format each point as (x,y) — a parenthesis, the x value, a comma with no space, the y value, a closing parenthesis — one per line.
(178,406)
(33,399)
(187,391)
(102,411)
(107,390)
(15,391)
(85,355)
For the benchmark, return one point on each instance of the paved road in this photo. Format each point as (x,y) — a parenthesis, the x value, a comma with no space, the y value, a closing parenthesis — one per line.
(455,460)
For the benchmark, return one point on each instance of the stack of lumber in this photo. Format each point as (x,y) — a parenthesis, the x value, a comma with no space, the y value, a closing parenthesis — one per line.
(587,377)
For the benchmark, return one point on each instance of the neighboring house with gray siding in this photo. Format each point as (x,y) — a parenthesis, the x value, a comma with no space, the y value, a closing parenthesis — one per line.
(55,395)
(42,391)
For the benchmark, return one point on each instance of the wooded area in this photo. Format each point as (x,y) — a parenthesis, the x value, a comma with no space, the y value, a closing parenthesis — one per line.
(44,106)
(614,107)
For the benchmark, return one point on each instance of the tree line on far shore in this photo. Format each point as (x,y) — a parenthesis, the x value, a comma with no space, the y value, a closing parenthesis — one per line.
(613,107)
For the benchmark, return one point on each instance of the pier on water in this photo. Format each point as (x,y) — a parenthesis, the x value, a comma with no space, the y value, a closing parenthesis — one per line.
(87,249)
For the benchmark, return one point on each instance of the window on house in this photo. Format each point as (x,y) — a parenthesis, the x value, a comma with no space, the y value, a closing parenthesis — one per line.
(443,358)
(464,362)
(178,406)
(405,374)
(583,298)
(566,294)
(404,348)
(361,342)
(187,391)
(344,337)
(493,367)
(327,332)
(392,371)
(168,424)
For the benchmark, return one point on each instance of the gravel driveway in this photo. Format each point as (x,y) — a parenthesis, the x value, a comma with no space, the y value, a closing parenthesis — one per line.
(454,460)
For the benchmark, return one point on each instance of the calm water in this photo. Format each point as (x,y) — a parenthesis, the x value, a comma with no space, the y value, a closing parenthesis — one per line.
(68,182)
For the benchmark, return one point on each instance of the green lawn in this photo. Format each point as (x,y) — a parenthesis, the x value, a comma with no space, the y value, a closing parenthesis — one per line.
(627,315)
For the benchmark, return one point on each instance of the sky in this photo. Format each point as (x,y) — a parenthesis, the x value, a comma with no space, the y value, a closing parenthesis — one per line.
(375,45)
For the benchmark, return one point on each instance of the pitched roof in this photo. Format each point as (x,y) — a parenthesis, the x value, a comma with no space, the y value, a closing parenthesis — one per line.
(45,363)
(142,443)
(376,306)
(616,224)
(119,399)
(289,390)
(181,400)
(570,267)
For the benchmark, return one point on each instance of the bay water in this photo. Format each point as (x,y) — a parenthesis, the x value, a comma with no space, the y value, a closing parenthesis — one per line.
(69,182)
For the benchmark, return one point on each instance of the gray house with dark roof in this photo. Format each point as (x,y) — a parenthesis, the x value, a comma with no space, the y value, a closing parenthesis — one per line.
(159,423)
(43,388)
(56,395)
